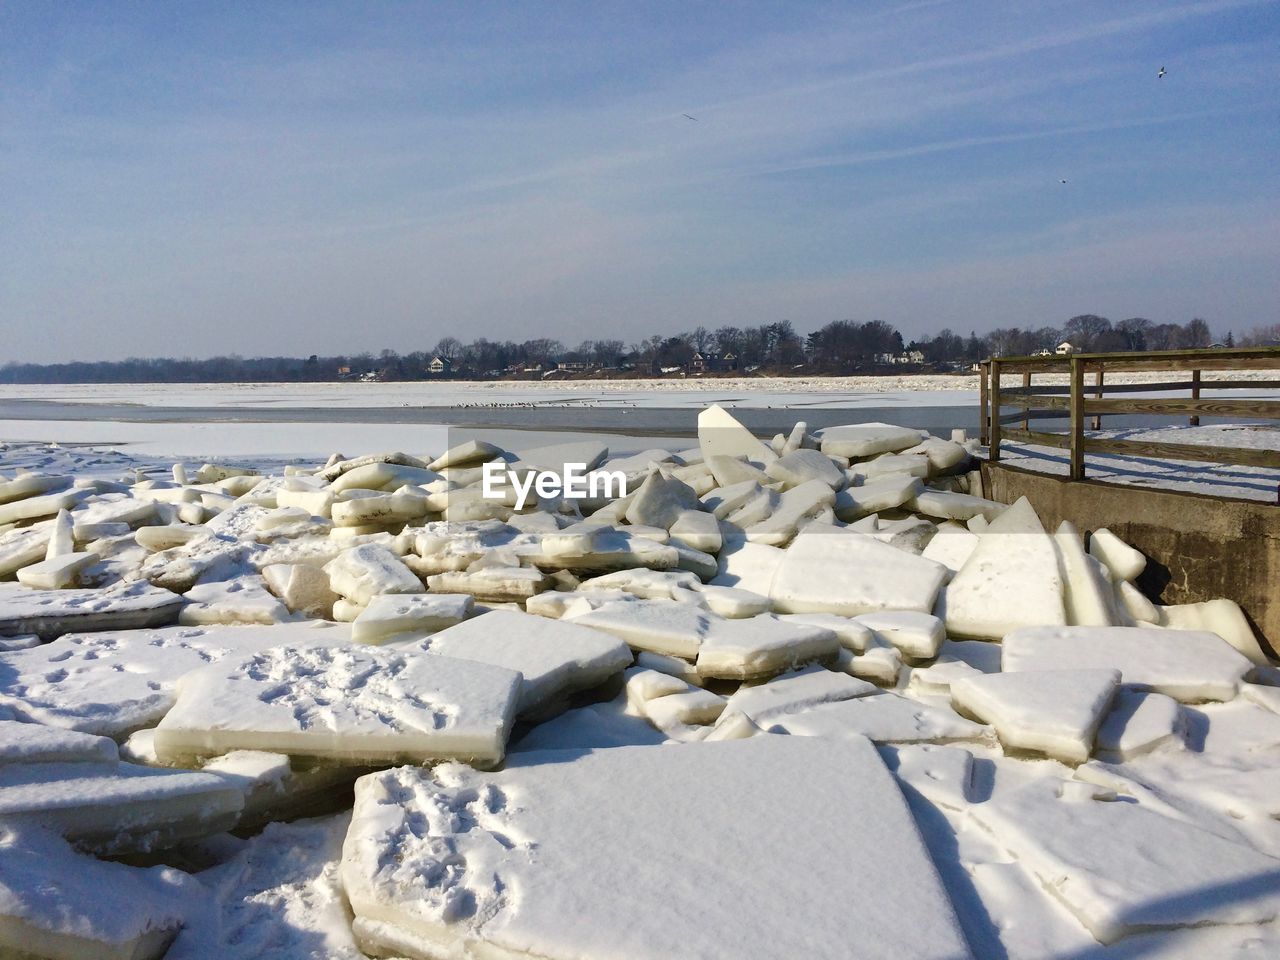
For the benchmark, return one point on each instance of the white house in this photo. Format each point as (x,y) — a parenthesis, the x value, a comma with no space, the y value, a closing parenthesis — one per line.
(1064,348)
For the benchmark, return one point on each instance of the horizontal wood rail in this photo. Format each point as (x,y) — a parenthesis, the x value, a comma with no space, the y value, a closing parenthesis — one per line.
(1077,400)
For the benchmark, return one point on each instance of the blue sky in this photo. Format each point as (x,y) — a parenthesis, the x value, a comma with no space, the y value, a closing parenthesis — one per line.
(190,179)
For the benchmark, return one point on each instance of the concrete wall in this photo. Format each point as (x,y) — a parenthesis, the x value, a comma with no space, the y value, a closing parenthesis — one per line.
(1198,547)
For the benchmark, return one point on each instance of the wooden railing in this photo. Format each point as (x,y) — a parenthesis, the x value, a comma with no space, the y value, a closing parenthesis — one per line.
(1079,401)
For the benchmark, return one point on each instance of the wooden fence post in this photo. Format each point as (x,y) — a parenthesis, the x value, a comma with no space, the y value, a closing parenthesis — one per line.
(1077,419)
(984,428)
(1097,382)
(1195,395)
(995,410)
(1026,411)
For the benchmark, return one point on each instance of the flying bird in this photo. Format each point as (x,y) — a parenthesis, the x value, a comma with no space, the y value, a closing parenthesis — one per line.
(1061,180)
(686,116)
(1161,73)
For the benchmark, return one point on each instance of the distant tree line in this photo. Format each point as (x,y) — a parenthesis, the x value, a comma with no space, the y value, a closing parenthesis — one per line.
(841,347)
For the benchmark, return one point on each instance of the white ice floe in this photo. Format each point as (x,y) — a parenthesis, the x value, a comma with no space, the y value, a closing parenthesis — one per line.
(1010,580)
(36,743)
(354,703)
(58,903)
(1053,712)
(525,863)
(116,682)
(555,658)
(1137,723)
(916,635)
(861,440)
(365,571)
(1123,869)
(739,649)
(850,574)
(1124,562)
(391,614)
(51,613)
(118,808)
(1187,665)
(884,718)
(719,434)
(793,693)
(240,600)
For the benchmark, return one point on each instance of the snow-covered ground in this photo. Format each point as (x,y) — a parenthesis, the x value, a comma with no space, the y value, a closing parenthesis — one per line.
(1249,483)
(798,392)
(810,697)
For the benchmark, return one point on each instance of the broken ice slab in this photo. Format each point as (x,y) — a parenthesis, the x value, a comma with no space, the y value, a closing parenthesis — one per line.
(391,614)
(368,570)
(858,441)
(23,547)
(916,635)
(1122,869)
(58,903)
(1223,617)
(491,584)
(1053,712)
(954,506)
(720,434)
(56,573)
(433,858)
(882,493)
(1138,723)
(828,571)
(357,704)
(1088,596)
(36,743)
(555,658)
(51,613)
(1011,579)
(746,648)
(883,717)
(242,599)
(1124,562)
(1187,665)
(747,565)
(118,808)
(793,693)
(115,682)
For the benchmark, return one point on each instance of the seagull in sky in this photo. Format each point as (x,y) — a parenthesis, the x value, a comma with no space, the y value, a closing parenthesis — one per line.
(687,117)
(1061,180)
(1161,73)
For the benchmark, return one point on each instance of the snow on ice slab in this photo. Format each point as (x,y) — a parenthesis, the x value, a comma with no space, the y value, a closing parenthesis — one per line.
(1054,712)
(353,703)
(51,613)
(1010,580)
(118,808)
(57,903)
(527,862)
(1187,665)
(36,743)
(392,613)
(826,571)
(884,718)
(1123,869)
(116,682)
(553,657)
